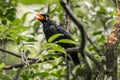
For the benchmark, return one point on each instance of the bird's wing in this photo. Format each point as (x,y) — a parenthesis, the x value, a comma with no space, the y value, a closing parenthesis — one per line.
(67,35)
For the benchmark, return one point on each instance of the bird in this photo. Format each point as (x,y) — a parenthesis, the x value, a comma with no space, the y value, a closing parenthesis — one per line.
(50,29)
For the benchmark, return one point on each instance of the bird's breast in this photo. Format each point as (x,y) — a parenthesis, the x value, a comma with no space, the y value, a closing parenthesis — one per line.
(49,31)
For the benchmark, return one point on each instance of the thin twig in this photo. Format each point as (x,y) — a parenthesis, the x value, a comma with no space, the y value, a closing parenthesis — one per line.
(90,41)
(48,9)
(17,75)
(22,64)
(14,54)
(115,2)
(67,28)
(3,46)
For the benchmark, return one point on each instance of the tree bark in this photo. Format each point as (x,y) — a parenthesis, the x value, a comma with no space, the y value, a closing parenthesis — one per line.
(111,52)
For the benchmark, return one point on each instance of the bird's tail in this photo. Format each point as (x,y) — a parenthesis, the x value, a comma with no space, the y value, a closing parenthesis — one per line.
(75,58)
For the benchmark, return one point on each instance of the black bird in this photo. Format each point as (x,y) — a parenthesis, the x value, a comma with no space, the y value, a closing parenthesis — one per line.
(50,29)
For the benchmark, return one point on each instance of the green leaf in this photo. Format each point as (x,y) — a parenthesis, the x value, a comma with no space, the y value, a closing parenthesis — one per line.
(67,41)
(24,16)
(52,38)
(22,28)
(16,22)
(4,21)
(97,33)
(101,39)
(3,28)
(43,74)
(11,17)
(31,40)
(58,60)
(13,2)
(102,10)
(1,65)
(55,47)
(50,54)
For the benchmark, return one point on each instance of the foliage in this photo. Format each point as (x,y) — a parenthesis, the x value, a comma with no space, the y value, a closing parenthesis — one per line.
(38,1)
(97,16)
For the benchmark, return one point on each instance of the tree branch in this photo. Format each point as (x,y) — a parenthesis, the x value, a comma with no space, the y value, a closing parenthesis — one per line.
(115,2)
(75,49)
(76,21)
(22,64)
(83,35)
(14,54)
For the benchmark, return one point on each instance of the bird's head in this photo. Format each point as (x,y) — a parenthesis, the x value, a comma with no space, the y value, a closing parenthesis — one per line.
(42,17)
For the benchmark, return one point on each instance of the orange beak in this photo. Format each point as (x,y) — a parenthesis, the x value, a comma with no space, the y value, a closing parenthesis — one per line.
(39,17)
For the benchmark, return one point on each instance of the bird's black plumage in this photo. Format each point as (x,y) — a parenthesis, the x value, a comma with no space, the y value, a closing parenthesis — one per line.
(50,29)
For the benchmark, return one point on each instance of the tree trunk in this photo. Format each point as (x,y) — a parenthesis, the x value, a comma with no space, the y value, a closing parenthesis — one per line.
(111,52)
